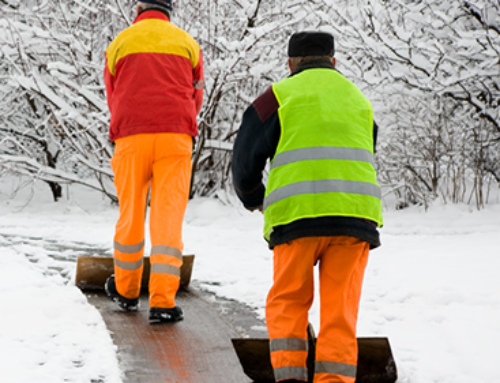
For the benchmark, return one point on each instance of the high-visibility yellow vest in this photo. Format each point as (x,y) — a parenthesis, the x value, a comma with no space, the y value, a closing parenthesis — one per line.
(323,165)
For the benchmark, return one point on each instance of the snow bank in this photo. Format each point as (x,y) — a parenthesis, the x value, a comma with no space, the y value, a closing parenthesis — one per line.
(433,287)
(48,331)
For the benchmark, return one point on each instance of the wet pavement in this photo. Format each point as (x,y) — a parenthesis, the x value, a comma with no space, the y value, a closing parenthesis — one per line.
(61,258)
(196,350)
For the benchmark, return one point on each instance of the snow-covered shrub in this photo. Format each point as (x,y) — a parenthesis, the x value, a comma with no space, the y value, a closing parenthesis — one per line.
(244,45)
(53,108)
(431,68)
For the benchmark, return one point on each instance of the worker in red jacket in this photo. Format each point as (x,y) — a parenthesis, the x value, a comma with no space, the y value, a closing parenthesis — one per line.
(154,84)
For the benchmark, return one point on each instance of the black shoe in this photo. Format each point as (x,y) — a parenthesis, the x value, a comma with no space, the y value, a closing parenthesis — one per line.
(124,303)
(158,315)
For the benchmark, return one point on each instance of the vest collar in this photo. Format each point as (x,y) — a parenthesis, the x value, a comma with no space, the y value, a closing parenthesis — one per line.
(151,14)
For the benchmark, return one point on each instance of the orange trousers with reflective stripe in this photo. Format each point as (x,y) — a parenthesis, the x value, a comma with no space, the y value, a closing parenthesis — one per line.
(160,162)
(342,262)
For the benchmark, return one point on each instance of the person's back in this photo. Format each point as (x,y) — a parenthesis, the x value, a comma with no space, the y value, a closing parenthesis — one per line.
(323,164)
(154,78)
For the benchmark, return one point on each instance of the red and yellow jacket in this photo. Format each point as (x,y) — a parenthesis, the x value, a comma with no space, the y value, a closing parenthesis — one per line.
(154,78)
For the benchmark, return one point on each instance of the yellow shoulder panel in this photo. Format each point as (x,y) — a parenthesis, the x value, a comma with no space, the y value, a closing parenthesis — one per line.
(152,36)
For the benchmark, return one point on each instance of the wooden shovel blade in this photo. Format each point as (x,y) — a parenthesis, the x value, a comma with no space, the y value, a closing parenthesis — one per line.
(375,360)
(92,272)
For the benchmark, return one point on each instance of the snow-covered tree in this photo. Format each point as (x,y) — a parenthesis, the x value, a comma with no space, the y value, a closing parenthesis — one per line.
(53,112)
(55,121)
(244,45)
(431,68)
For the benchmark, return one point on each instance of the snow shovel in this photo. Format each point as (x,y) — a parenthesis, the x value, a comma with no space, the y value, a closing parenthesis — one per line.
(375,361)
(92,272)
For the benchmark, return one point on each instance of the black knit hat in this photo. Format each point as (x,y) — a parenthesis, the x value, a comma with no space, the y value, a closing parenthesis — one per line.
(167,4)
(303,44)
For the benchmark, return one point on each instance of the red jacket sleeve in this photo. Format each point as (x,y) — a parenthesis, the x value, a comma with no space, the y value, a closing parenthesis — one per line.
(108,82)
(198,84)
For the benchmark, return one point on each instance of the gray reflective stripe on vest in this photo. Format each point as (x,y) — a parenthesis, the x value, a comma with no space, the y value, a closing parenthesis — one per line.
(162,268)
(323,367)
(290,372)
(322,186)
(288,344)
(128,249)
(166,250)
(322,153)
(130,266)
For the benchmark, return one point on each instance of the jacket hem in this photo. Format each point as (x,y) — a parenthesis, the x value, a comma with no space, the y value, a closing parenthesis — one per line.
(326,227)
(151,130)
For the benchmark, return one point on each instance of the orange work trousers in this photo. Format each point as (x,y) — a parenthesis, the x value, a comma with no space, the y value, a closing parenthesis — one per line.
(160,162)
(342,262)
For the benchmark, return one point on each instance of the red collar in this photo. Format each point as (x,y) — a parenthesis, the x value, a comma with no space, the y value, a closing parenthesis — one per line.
(151,14)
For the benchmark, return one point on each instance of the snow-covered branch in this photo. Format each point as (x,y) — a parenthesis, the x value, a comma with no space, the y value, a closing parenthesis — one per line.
(431,69)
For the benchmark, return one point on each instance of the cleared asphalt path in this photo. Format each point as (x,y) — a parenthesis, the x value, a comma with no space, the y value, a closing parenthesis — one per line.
(195,350)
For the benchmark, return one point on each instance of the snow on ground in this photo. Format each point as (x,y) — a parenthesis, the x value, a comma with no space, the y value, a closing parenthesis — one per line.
(433,287)
(49,333)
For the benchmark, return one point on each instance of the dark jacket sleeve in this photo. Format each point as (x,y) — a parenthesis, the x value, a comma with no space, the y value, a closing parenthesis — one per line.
(255,143)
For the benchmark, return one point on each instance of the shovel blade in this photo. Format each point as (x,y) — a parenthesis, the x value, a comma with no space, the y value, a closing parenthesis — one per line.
(375,360)
(92,272)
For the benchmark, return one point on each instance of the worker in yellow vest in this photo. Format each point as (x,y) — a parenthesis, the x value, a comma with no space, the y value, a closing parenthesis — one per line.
(321,204)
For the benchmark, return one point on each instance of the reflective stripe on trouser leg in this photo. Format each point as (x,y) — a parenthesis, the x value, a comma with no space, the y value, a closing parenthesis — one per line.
(164,279)
(344,372)
(132,164)
(288,344)
(169,197)
(341,272)
(128,265)
(291,351)
(287,307)
(290,372)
